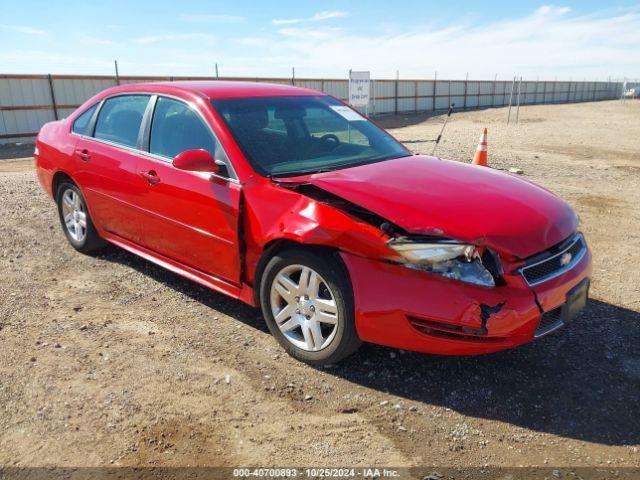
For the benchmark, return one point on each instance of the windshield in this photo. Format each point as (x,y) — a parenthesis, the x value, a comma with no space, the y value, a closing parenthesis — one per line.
(285,136)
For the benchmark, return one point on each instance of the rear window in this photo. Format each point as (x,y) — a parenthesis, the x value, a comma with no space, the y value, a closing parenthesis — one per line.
(120,118)
(82,123)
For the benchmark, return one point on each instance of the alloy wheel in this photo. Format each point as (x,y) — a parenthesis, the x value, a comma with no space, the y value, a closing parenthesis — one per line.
(74,215)
(304,308)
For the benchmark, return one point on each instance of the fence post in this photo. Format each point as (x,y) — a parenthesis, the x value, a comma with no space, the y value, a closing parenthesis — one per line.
(493,91)
(396,95)
(466,80)
(510,100)
(449,93)
(433,99)
(373,95)
(53,98)
(518,106)
(415,97)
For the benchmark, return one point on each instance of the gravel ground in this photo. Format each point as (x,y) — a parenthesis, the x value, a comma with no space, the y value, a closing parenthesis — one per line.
(109,360)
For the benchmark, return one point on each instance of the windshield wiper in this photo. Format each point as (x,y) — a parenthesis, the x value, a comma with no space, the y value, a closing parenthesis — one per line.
(337,167)
(300,172)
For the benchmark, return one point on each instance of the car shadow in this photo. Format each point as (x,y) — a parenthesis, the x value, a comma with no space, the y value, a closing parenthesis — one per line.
(582,382)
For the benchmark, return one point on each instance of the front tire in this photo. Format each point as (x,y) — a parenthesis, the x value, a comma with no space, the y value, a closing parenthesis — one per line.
(307,302)
(75,219)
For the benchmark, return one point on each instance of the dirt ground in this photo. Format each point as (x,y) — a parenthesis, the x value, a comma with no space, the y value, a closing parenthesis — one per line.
(109,360)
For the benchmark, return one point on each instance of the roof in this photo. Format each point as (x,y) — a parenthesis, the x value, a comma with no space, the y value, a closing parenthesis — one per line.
(231,89)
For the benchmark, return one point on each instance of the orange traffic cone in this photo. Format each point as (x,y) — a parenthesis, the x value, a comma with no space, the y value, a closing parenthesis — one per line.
(480,158)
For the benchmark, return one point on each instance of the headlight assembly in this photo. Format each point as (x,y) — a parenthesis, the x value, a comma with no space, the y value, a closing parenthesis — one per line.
(450,259)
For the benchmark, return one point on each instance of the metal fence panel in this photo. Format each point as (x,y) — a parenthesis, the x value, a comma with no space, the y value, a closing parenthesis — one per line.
(26,101)
(406,88)
(424,104)
(425,88)
(457,87)
(24,92)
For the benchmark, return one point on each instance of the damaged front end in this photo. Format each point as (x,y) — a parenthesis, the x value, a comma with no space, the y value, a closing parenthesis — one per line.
(412,290)
(433,254)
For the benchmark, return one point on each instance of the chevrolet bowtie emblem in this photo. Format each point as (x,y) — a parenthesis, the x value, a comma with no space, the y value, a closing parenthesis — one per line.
(565,259)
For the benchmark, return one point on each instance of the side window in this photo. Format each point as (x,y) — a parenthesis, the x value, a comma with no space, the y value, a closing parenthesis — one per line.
(176,128)
(120,118)
(81,124)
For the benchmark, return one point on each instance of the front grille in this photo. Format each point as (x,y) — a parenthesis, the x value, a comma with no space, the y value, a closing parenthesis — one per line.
(549,264)
(549,321)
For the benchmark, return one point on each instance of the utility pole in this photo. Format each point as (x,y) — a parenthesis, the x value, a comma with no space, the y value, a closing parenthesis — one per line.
(115,62)
(217,76)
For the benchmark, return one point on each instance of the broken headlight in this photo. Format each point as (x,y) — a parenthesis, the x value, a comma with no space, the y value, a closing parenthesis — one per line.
(449,259)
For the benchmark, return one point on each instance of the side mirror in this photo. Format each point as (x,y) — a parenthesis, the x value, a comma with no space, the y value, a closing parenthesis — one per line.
(196,160)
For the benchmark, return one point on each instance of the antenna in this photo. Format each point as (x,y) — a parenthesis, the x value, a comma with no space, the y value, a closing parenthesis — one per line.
(446,119)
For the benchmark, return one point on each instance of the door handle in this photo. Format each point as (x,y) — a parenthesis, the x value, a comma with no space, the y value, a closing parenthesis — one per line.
(151,177)
(83,154)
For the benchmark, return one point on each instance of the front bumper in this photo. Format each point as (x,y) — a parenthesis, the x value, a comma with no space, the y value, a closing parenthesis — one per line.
(412,310)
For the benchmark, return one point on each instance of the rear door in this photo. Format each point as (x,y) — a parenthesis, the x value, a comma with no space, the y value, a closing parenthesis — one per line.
(106,155)
(191,217)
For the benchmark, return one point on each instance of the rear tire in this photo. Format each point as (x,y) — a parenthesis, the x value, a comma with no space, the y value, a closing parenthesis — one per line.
(75,219)
(307,302)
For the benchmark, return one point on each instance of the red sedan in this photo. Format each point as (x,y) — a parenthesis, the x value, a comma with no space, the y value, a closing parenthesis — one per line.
(288,199)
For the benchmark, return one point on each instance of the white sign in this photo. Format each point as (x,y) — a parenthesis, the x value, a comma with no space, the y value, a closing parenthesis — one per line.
(358,88)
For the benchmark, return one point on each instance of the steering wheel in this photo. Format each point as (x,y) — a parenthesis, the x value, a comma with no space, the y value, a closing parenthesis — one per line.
(330,138)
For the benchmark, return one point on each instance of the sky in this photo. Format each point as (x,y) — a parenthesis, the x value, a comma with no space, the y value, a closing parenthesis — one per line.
(415,39)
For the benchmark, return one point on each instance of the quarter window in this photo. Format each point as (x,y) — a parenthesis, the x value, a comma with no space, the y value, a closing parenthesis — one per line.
(81,124)
(120,118)
(176,128)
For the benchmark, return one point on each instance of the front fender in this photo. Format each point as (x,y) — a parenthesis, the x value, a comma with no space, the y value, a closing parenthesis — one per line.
(276,213)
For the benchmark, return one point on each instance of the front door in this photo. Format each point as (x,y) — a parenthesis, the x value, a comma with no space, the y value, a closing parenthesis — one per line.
(190,217)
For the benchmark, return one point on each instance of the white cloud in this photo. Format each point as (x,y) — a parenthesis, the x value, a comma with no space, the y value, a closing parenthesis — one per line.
(319,16)
(316,33)
(176,37)
(23,61)
(23,29)
(548,42)
(206,17)
(251,41)
(93,40)
(552,10)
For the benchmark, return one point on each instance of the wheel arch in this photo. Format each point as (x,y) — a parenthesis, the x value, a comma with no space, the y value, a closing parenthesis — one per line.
(275,246)
(57,180)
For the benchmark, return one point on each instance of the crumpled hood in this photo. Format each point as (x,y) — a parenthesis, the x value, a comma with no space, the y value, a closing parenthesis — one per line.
(430,196)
